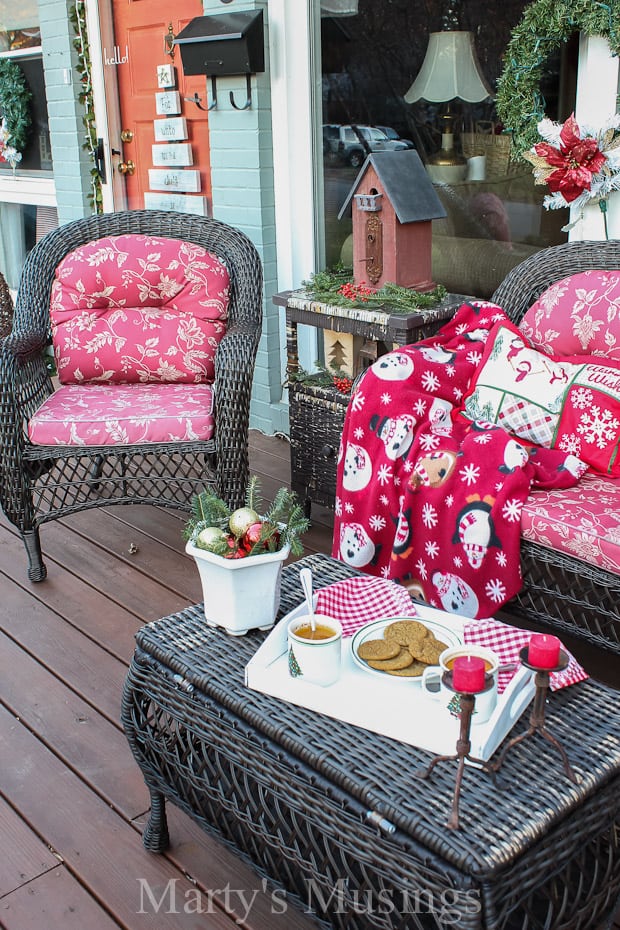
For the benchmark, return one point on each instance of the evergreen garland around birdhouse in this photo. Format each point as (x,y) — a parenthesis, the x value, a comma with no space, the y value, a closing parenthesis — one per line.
(15,97)
(545,25)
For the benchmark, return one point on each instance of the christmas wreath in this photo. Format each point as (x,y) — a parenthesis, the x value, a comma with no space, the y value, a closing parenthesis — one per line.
(545,25)
(15,97)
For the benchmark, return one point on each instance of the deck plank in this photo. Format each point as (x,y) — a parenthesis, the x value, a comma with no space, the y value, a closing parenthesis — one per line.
(29,856)
(53,901)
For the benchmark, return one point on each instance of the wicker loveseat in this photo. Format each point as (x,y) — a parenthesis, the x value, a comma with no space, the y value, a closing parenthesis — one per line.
(575,588)
(155,319)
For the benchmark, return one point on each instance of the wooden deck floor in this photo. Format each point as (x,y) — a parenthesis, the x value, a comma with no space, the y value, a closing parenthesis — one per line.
(72,800)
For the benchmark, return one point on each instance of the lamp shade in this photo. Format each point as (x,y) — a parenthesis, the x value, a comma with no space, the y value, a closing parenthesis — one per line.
(450,69)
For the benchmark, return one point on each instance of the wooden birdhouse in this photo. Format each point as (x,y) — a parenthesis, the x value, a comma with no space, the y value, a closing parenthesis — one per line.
(393,203)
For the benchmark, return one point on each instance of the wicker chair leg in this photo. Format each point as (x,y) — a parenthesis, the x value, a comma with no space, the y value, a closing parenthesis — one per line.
(36,566)
(155,837)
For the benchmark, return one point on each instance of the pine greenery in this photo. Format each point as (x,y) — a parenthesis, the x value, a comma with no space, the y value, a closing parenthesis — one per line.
(15,97)
(284,521)
(324,287)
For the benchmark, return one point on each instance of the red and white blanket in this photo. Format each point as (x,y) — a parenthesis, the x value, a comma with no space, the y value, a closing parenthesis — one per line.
(427,497)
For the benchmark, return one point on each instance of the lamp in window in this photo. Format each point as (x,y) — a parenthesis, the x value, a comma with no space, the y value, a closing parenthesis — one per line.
(450,70)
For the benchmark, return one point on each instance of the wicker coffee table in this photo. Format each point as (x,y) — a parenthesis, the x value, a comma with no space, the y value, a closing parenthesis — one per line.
(332,814)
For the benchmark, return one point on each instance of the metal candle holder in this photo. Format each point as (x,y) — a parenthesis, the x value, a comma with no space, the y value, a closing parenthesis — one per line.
(463,745)
(537,716)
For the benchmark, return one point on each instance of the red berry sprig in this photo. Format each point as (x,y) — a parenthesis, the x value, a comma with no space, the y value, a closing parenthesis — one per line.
(342,384)
(355,292)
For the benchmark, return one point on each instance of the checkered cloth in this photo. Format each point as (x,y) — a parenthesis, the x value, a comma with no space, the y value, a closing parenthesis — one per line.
(506,642)
(355,601)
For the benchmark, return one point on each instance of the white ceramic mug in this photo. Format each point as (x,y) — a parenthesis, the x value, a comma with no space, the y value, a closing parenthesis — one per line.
(315,660)
(486,700)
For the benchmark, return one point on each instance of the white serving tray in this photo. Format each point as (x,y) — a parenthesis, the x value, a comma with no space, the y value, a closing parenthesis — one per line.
(395,707)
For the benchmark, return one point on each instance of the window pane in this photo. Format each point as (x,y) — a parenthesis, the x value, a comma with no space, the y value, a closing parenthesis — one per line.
(370,61)
(19,24)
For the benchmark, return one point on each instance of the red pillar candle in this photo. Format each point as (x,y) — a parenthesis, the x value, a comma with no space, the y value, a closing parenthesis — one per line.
(543,651)
(468,674)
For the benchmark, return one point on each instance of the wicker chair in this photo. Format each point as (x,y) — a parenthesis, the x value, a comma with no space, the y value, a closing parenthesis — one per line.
(39,483)
(558,590)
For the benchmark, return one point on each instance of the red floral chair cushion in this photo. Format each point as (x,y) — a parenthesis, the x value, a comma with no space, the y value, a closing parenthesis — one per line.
(138,308)
(582,521)
(578,315)
(122,414)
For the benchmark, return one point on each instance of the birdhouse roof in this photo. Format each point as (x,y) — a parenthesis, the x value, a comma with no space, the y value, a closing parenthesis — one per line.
(405,182)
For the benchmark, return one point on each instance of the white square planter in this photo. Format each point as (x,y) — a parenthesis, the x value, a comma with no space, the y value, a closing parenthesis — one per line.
(240,594)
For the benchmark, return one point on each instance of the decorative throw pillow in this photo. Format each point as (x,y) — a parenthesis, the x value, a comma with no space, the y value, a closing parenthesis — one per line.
(557,403)
(578,315)
(136,308)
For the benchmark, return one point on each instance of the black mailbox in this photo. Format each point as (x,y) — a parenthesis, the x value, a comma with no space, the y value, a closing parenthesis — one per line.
(226,43)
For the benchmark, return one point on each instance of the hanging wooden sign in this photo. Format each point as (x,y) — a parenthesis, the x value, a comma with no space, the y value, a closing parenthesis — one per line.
(170,130)
(169,179)
(168,103)
(180,203)
(173,155)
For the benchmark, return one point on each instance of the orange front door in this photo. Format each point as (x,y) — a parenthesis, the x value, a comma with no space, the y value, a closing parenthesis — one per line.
(142,29)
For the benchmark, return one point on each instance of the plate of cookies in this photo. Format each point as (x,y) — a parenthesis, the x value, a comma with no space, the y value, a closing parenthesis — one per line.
(401,647)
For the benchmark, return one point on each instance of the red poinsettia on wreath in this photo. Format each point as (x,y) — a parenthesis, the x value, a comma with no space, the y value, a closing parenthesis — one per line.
(576,163)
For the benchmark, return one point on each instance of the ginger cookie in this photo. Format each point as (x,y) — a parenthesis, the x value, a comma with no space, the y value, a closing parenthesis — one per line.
(431,650)
(402,660)
(405,632)
(378,649)
(410,671)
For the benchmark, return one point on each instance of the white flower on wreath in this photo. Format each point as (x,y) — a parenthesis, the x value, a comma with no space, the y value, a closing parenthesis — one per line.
(7,151)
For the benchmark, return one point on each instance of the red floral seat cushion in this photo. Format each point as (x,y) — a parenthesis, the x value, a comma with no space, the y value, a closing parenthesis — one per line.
(582,521)
(138,309)
(123,414)
(579,315)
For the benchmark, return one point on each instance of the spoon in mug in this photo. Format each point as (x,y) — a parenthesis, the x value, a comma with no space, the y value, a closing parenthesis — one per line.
(305,576)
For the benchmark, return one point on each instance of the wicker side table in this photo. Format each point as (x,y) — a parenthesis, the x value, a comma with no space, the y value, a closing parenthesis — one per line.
(316,412)
(332,814)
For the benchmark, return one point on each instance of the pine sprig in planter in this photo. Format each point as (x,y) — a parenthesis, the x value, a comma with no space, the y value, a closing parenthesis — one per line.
(245,532)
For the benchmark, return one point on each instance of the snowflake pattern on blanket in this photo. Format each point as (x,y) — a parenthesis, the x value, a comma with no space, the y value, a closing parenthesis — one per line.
(424,495)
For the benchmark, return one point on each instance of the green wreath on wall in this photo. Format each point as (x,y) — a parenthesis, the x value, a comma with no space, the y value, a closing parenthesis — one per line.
(545,25)
(15,97)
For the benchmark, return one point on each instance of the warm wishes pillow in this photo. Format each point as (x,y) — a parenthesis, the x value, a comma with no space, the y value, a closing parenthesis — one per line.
(547,400)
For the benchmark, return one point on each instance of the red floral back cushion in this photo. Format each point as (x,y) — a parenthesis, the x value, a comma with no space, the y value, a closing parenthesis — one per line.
(579,315)
(138,309)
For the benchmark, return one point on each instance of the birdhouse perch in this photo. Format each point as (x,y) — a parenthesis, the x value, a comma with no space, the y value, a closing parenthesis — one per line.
(393,205)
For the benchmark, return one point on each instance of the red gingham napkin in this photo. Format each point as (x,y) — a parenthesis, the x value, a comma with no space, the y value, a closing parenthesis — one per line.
(506,642)
(355,601)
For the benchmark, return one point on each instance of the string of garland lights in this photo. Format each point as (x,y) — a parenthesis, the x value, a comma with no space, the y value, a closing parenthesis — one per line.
(15,97)
(83,67)
(544,27)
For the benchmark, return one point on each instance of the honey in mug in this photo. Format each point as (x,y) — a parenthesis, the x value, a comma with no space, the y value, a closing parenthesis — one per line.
(450,663)
(321,631)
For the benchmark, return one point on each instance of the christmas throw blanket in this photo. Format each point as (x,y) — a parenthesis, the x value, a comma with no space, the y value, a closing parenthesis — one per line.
(427,496)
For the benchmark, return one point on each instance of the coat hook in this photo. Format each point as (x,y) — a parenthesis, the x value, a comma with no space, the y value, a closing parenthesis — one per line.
(198,101)
(248,102)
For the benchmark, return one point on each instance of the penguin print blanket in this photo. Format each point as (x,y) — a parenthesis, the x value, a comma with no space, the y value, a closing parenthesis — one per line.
(426,496)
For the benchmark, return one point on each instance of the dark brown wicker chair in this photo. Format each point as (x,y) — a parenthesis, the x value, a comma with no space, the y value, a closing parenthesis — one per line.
(43,483)
(565,592)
